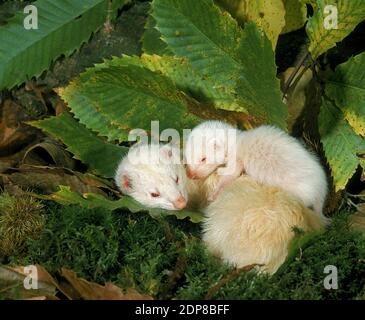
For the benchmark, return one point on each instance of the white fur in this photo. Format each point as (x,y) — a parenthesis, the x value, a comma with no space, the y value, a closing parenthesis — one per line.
(150,175)
(248,223)
(272,157)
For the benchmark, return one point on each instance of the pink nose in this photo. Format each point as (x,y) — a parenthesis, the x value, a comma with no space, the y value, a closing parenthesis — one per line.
(180,203)
(191,174)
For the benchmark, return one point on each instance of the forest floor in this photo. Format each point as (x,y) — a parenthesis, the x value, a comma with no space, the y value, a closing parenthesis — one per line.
(163,258)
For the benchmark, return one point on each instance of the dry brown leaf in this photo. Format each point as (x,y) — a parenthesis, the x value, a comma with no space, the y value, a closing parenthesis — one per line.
(93,291)
(6,163)
(33,97)
(47,179)
(38,298)
(48,152)
(12,283)
(42,273)
(38,91)
(68,290)
(44,298)
(357,220)
(14,134)
(60,107)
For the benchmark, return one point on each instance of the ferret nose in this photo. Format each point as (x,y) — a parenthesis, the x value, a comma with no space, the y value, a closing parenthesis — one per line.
(191,174)
(180,203)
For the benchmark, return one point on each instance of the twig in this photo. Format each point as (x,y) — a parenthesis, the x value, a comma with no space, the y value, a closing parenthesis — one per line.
(175,276)
(294,73)
(356,195)
(234,274)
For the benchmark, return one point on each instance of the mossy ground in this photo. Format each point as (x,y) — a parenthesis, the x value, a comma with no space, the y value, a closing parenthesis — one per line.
(166,259)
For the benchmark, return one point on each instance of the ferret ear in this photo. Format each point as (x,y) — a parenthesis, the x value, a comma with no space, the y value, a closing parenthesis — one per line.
(126,183)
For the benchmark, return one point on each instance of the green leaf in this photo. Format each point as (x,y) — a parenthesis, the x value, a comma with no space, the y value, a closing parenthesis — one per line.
(102,157)
(151,41)
(269,15)
(88,112)
(217,48)
(258,85)
(347,87)
(322,38)
(295,15)
(198,35)
(63,25)
(341,144)
(312,3)
(113,100)
(92,200)
(186,78)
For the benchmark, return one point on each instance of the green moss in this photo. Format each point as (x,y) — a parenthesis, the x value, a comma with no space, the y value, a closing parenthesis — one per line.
(302,276)
(166,258)
(86,241)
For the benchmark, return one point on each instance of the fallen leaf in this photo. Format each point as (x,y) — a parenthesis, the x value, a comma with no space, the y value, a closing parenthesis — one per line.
(14,134)
(48,152)
(12,283)
(44,298)
(357,220)
(47,179)
(33,98)
(57,103)
(93,291)
(42,274)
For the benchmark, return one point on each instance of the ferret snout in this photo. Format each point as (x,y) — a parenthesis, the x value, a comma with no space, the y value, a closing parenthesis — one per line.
(180,203)
(191,174)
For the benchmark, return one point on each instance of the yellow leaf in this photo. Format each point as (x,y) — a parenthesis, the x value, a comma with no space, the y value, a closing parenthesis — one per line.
(332,21)
(269,15)
(295,15)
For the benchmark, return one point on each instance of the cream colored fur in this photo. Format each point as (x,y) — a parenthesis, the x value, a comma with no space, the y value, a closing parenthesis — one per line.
(268,155)
(251,223)
(248,223)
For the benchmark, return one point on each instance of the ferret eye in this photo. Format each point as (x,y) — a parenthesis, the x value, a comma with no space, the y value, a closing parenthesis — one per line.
(203,159)
(155,194)
(177,180)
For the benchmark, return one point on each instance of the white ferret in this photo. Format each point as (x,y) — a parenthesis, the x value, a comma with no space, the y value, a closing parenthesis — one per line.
(248,223)
(266,153)
(152,175)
